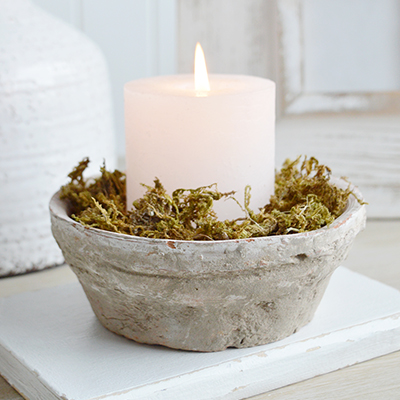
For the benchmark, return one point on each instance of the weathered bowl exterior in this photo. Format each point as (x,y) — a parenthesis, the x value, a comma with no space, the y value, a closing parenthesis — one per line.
(205,296)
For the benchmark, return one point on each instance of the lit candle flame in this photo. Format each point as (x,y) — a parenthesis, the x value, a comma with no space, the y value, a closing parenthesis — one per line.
(201,83)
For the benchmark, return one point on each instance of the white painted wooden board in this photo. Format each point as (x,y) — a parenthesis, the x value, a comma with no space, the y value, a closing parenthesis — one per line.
(335,58)
(52,347)
(366,149)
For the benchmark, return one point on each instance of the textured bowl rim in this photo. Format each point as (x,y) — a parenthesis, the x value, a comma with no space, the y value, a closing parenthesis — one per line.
(58,209)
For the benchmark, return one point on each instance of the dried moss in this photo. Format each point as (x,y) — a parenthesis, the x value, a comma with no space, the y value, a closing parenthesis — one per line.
(304,200)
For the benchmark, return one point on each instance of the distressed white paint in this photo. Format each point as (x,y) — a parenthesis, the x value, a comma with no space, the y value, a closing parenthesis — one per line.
(366,149)
(338,65)
(225,29)
(54,110)
(363,147)
(291,49)
(55,349)
(343,102)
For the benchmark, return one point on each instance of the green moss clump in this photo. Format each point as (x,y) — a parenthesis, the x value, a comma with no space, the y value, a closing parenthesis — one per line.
(304,200)
(99,203)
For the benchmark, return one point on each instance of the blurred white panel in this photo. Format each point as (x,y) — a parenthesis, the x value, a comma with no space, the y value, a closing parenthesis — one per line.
(161,21)
(59,8)
(76,13)
(351,45)
(119,27)
(151,37)
(68,10)
(167,37)
(138,40)
(237,35)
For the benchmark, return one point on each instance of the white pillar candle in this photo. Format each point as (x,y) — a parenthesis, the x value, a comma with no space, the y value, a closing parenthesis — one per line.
(189,139)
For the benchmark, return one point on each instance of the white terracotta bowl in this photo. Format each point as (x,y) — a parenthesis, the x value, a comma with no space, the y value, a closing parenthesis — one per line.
(205,296)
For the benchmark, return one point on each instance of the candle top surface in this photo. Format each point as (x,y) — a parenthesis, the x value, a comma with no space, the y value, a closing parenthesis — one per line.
(183,85)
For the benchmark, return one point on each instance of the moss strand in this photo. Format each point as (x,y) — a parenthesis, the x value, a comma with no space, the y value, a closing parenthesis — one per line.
(304,200)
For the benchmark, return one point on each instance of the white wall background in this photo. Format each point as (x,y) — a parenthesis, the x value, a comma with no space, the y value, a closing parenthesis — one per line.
(351,46)
(137,37)
(336,64)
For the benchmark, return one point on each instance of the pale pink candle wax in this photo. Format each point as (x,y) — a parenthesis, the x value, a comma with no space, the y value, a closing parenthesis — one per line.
(189,139)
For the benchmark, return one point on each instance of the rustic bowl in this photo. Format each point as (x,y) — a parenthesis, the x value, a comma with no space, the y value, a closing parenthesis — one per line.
(205,296)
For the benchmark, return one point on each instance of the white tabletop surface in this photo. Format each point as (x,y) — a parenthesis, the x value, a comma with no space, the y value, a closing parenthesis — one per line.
(376,254)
